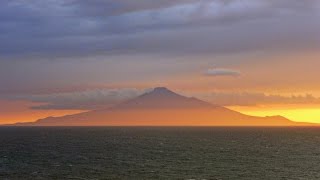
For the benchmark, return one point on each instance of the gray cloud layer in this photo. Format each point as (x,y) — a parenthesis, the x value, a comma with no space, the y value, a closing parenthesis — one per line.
(55,43)
(80,27)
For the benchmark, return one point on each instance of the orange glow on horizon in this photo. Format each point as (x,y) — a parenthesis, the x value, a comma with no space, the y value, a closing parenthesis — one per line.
(298,113)
(19,111)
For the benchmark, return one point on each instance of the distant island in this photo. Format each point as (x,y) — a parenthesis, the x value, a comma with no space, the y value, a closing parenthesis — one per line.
(162,107)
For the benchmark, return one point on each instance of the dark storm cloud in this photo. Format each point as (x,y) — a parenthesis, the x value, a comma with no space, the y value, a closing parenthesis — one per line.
(80,27)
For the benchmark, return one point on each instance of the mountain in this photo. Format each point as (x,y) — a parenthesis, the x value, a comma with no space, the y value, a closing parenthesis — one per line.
(162,107)
(163,98)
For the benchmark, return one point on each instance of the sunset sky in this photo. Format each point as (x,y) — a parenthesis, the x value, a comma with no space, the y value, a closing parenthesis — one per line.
(259,57)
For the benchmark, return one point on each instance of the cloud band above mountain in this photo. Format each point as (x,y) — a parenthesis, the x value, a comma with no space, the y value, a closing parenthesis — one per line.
(103,98)
(253,99)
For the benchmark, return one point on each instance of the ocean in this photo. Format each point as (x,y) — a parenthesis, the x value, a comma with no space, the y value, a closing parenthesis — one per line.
(159,153)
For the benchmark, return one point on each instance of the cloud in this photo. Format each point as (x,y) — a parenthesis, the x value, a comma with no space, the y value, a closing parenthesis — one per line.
(104,98)
(61,27)
(253,99)
(81,100)
(222,72)
(108,8)
(49,44)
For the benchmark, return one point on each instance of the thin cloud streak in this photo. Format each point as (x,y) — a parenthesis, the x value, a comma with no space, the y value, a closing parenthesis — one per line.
(254,99)
(81,100)
(222,72)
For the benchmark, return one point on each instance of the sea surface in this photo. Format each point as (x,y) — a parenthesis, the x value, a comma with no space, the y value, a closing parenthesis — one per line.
(159,153)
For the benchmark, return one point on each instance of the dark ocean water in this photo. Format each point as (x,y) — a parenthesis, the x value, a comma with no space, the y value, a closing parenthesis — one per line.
(159,153)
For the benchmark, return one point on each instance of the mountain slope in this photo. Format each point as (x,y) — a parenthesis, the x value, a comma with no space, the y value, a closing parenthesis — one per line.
(162,107)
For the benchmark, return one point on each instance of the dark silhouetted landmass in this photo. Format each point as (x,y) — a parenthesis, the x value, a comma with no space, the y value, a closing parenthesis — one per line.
(162,107)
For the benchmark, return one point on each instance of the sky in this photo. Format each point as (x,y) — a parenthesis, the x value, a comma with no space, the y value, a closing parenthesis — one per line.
(259,57)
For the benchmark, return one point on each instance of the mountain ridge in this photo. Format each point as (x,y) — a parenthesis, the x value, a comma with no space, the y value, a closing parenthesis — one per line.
(162,97)
(163,107)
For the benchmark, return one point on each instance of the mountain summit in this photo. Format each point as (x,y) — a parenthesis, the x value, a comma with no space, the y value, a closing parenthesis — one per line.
(162,90)
(163,107)
(163,98)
